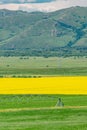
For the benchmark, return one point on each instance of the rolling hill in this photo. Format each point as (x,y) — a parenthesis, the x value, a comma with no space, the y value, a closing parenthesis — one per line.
(60,33)
(24,1)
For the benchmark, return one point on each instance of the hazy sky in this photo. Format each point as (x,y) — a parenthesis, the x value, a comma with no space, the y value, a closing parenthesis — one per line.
(43,5)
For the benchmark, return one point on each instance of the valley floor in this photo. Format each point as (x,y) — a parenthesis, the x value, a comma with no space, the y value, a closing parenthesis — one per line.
(42,67)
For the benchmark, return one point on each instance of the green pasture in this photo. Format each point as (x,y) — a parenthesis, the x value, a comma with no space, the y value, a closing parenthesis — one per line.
(40,66)
(40,101)
(61,119)
(45,118)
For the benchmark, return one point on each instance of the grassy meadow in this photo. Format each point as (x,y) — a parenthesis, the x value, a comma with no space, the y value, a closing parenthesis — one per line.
(39,112)
(40,66)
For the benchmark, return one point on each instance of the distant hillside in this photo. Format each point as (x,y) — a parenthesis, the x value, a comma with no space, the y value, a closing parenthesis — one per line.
(60,33)
(13,1)
(24,1)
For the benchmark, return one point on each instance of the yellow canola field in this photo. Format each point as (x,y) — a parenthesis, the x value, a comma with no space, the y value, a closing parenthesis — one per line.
(53,85)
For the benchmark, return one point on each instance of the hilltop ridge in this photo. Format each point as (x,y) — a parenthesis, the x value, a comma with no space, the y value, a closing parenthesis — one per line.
(59,33)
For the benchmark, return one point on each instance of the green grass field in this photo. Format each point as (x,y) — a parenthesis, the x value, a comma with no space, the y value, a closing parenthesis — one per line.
(38,112)
(40,66)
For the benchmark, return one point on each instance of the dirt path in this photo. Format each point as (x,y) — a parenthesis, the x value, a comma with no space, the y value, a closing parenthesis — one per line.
(42,108)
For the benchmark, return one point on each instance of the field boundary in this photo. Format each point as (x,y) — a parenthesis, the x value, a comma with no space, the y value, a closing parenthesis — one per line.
(41,108)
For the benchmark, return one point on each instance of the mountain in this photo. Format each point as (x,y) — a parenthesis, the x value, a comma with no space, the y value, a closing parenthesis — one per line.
(14,1)
(60,33)
(24,1)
